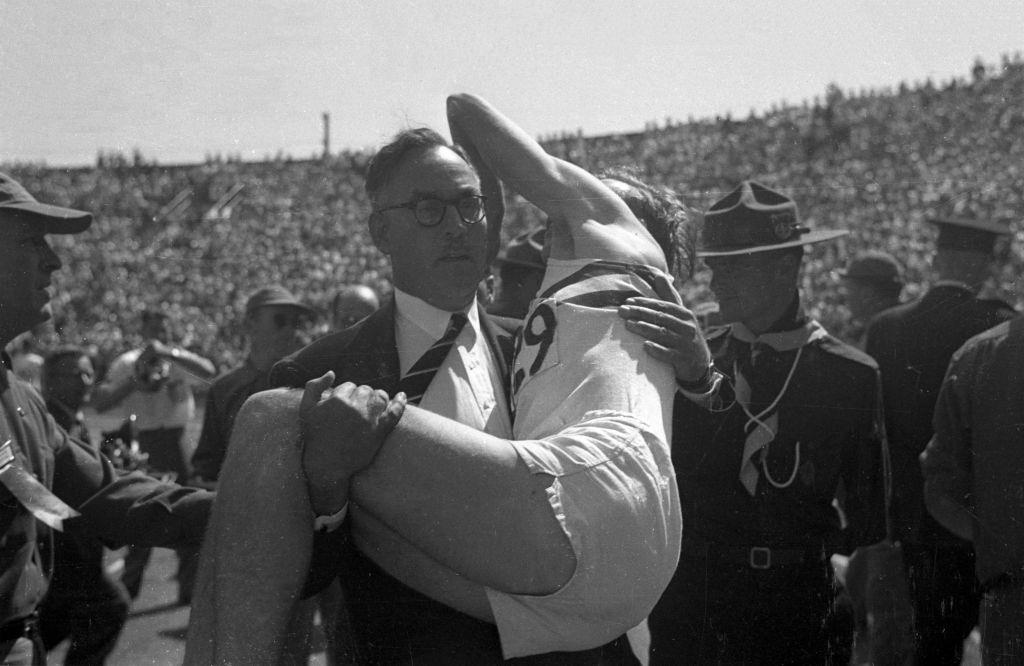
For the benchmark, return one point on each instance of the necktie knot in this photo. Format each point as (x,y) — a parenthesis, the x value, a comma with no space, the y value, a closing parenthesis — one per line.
(455,324)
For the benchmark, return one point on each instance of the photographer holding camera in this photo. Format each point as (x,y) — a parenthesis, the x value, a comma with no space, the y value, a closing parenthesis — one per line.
(154,382)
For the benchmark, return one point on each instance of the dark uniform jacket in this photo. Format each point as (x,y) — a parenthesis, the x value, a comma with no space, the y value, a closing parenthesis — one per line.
(913,344)
(829,444)
(976,457)
(226,396)
(78,554)
(132,508)
(754,583)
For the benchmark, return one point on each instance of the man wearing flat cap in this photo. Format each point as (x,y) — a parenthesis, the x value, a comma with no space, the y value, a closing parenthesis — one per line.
(793,433)
(913,345)
(871,283)
(49,480)
(271,324)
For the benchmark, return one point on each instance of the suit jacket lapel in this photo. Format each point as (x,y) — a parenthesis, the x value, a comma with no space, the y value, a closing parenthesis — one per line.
(372,356)
(502,344)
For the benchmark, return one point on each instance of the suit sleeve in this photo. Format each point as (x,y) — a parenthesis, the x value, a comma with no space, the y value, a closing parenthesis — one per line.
(288,373)
(213,446)
(946,461)
(124,508)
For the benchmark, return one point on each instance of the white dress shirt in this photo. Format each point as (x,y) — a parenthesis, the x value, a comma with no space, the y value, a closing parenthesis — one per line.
(468,385)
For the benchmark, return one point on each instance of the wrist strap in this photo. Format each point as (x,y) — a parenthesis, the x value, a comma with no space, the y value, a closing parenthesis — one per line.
(701,385)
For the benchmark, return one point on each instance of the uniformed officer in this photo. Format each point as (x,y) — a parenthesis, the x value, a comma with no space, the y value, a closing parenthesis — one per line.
(913,344)
(48,478)
(795,427)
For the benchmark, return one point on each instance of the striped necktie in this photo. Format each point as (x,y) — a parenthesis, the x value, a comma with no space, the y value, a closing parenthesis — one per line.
(422,372)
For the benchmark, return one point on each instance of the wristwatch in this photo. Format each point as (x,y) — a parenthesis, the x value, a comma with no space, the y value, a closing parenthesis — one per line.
(706,383)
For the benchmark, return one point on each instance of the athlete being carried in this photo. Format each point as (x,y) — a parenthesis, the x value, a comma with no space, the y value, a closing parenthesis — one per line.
(572,529)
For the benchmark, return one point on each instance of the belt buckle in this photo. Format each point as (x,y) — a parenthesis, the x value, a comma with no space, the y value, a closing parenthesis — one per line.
(760,557)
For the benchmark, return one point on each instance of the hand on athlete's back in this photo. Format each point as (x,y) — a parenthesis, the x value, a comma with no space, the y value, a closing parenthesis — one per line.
(672,331)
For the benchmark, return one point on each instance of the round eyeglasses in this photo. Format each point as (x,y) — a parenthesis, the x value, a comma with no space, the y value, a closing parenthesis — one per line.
(430,211)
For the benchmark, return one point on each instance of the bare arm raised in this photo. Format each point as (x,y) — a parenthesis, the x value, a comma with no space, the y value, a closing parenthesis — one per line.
(589,219)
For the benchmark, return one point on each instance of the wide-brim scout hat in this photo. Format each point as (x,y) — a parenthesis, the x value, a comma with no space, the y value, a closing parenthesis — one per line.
(874,266)
(526,249)
(965,233)
(16,201)
(756,218)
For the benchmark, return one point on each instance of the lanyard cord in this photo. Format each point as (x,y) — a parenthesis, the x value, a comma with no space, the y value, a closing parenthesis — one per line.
(756,419)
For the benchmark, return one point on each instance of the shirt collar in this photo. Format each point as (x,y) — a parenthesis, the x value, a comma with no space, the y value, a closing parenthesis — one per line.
(430,319)
(792,331)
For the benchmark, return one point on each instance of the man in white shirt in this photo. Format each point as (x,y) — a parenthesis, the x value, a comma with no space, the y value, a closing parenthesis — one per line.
(413,597)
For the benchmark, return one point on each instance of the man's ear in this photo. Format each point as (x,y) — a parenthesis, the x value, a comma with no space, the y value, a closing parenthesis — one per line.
(380,232)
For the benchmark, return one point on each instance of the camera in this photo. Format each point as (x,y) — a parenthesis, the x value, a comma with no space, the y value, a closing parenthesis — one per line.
(152,372)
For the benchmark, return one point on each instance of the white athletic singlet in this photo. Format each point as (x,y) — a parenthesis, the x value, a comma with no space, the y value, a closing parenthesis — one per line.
(594,410)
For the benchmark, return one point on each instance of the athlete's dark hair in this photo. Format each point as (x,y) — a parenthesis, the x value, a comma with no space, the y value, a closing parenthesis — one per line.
(674,225)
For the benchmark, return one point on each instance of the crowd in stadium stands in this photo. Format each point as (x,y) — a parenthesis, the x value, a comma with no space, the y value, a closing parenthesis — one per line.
(195,240)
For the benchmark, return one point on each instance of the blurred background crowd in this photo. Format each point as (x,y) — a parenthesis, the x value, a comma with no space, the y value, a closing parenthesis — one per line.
(195,240)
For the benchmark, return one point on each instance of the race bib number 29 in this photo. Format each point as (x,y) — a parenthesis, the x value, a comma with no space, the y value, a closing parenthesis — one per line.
(535,348)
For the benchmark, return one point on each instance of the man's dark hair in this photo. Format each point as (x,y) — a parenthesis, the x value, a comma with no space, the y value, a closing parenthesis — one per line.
(672,224)
(390,156)
(54,358)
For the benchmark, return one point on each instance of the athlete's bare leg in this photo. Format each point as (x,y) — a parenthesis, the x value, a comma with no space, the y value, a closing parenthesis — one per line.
(461,496)
(258,546)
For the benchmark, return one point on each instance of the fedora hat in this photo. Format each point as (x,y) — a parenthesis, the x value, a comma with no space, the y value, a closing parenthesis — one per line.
(874,266)
(756,218)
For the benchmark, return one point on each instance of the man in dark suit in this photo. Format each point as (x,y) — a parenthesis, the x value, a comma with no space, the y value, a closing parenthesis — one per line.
(406,605)
(913,344)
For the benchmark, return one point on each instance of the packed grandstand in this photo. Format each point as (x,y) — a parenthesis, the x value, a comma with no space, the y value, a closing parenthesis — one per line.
(197,239)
